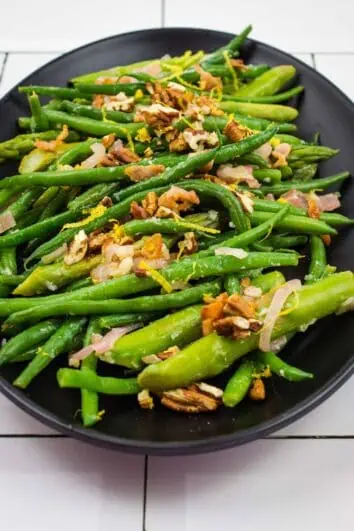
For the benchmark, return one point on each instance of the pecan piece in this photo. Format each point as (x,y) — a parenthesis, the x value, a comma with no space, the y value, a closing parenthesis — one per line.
(257,390)
(234,131)
(191,399)
(207,80)
(145,400)
(237,305)
(178,199)
(123,154)
(150,203)
(77,248)
(140,173)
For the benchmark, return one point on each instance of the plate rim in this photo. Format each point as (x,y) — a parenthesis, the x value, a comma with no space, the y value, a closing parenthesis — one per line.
(207,444)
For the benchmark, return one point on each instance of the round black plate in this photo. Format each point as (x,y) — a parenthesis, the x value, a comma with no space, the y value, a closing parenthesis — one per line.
(326,349)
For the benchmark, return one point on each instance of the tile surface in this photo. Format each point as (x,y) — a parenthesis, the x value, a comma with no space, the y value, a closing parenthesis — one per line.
(73,24)
(338,69)
(20,65)
(268,485)
(69,484)
(323,28)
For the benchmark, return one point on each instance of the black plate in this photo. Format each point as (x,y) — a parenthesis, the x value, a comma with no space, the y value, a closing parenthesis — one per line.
(326,349)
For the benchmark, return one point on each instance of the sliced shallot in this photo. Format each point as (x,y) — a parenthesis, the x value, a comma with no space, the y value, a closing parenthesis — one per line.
(275,307)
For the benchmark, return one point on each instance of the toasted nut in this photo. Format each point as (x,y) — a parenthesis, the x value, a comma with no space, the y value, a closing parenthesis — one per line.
(189,244)
(178,199)
(150,203)
(168,353)
(246,202)
(140,173)
(145,400)
(241,322)
(255,325)
(207,326)
(77,248)
(189,400)
(280,159)
(252,291)
(237,305)
(216,392)
(257,390)
(236,131)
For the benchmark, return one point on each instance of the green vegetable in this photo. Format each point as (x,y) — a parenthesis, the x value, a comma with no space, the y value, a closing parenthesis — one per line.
(98,384)
(281,368)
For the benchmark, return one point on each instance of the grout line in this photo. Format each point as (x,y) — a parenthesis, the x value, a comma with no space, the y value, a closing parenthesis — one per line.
(146,468)
(163,13)
(313,60)
(307,437)
(2,70)
(33,436)
(33,52)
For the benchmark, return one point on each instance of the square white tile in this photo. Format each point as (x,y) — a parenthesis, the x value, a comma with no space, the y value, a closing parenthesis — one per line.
(267,485)
(14,421)
(307,27)
(20,65)
(41,27)
(65,485)
(338,69)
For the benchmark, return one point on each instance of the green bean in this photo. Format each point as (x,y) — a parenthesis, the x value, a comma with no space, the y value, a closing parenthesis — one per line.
(212,354)
(92,127)
(177,329)
(23,202)
(220,156)
(305,186)
(53,92)
(89,399)
(306,172)
(141,304)
(112,321)
(110,89)
(25,356)
(27,339)
(275,98)
(39,229)
(289,139)
(227,199)
(232,48)
(39,121)
(78,284)
(107,385)
(277,241)
(21,144)
(253,159)
(51,277)
(11,280)
(268,111)
(93,195)
(249,237)
(267,175)
(281,368)
(232,284)
(310,154)
(268,83)
(184,270)
(61,341)
(298,224)
(96,114)
(332,218)
(258,124)
(239,384)
(318,261)
(163,226)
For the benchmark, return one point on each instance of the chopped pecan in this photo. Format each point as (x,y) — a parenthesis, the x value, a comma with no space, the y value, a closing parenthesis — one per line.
(106,201)
(137,211)
(108,140)
(239,64)
(106,80)
(145,400)
(237,305)
(178,144)
(198,139)
(207,326)
(257,390)
(235,327)
(77,248)
(235,131)
(127,79)
(255,325)
(207,80)
(189,244)
(119,102)
(150,203)
(123,154)
(161,356)
(190,400)
(98,101)
(174,95)
(157,115)
(326,238)
(211,390)
(208,106)
(214,310)
(97,238)
(140,173)
(178,199)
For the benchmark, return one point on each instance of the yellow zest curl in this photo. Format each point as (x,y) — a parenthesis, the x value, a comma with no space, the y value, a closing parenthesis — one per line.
(235,81)
(143,135)
(94,213)
(155,275)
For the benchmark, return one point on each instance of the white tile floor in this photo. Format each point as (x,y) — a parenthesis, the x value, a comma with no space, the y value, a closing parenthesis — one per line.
(298,481)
